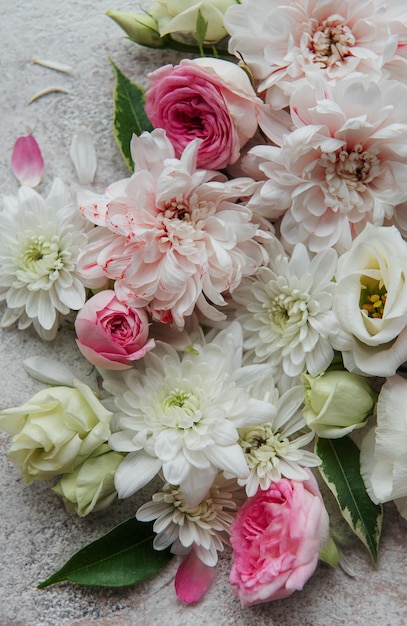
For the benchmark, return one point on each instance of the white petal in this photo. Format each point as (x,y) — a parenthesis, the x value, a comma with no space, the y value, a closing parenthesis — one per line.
(83,155)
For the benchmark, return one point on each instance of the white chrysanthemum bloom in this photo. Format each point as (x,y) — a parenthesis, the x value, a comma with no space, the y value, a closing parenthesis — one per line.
(276,449)
(286,311)
(343,166)
(40,240)
(171,236)
(203,528)
(282,42)
(181,414)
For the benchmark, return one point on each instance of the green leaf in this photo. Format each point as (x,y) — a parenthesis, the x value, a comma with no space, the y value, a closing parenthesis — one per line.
(129,114)
(124,556)
(200,31)
(340,470)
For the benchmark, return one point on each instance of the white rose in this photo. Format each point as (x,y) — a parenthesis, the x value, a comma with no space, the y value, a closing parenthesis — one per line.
(383,454)
(55,431)
(371,301)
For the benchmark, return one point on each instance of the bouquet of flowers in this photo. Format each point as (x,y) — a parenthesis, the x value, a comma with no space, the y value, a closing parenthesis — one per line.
(242,295)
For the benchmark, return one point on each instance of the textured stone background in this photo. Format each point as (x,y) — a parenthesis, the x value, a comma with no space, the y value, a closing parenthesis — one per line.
(37,535)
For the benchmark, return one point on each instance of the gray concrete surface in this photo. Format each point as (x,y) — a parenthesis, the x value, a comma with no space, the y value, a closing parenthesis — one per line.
(37,535)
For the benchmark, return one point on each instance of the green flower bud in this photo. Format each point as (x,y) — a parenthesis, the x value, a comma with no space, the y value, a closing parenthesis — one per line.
(56,430)
(90,487)
(337,402)
(140,28)
(179,19)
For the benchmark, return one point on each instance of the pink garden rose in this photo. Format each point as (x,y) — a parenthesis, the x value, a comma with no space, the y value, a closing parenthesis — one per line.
(110,334)
(207,98)
(276,538)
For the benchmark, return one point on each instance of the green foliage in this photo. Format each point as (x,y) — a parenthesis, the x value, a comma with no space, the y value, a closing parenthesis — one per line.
(129,115)
(340,470)
(122,557)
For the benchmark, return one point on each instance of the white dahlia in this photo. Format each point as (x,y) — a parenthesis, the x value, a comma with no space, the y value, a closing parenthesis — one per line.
(40,241)
(180,415)
(171,236)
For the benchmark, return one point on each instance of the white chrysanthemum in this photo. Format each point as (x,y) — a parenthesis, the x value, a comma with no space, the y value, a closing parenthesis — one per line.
(275,450)
(343,166)
(180,415)
(281,42)
(40,241)
(286,311)
(172,236)
(203,529)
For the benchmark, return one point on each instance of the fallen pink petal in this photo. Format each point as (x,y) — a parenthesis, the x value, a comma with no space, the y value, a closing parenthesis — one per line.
(193,579)
(27,162)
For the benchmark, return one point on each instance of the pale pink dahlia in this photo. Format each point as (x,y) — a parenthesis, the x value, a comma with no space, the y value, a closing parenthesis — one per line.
(172,237)
(283,41)
(343,166)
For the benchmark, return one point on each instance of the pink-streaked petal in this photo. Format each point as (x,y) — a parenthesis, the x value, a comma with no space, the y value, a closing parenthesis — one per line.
(193,579)
(26,161)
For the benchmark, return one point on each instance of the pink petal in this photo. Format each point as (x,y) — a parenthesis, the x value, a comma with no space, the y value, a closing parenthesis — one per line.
(193,579)
(27,162)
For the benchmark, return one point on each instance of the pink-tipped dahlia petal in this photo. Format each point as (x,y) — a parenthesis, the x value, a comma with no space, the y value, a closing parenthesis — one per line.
(193,579)
(26,161)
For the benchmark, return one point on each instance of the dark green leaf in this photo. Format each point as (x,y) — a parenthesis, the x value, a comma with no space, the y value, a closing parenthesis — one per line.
(340,470)
(124,556)
(129,114)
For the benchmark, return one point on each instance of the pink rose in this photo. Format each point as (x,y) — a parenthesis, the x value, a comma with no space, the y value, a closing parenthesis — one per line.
(110,333)
(207,98)
(276,538)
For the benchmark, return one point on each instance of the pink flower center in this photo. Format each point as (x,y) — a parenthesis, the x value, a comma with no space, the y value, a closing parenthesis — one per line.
(330,41)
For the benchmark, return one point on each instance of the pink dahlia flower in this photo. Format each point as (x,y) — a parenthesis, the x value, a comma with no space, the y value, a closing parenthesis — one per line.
(343,165)
(172,237)
(284,41)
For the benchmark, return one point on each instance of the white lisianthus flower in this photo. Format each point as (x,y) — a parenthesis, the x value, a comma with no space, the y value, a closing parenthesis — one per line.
(276,449)
(171,236)
(180,415)
(281,42)
(203,528)
(286,311)
(343,165)
(40,241)
(383,454)
(371,301)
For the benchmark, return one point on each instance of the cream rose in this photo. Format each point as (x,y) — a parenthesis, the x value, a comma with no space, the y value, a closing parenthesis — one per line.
(55,431)
(371,301)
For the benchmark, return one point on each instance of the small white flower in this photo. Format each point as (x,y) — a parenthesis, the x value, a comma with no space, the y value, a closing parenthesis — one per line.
(204,528)
(180,415)
(270,449)
(40,241)
(286,311)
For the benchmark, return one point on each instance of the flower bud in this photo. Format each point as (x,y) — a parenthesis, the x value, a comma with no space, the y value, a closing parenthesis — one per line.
(90,487)
(179,19)
(140,27)
(55,431)
(337,402)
